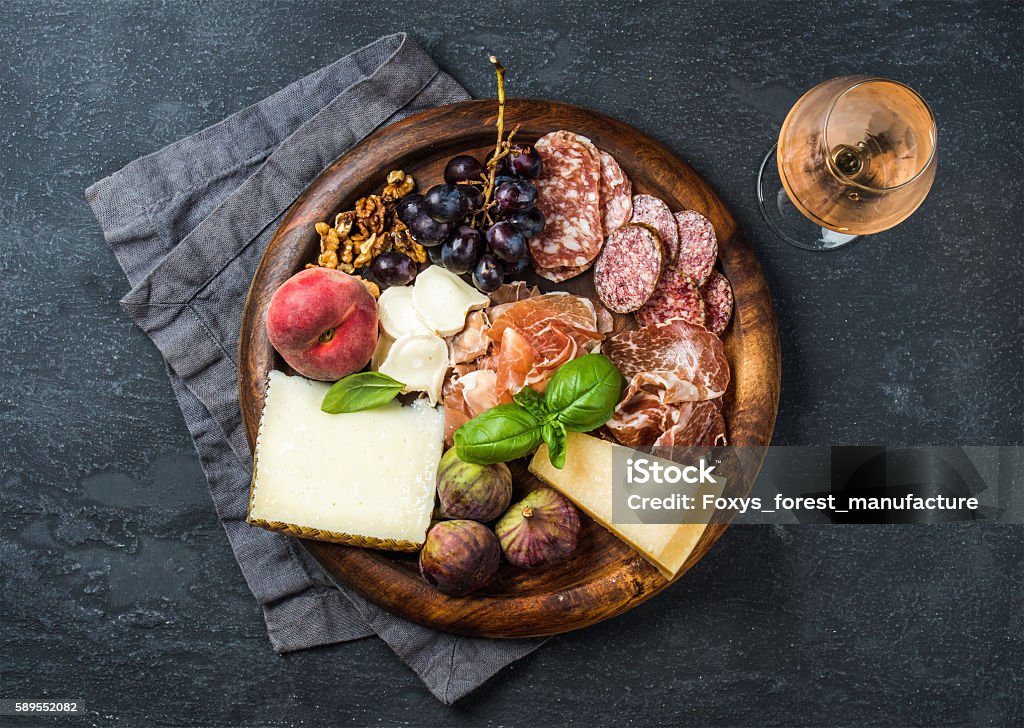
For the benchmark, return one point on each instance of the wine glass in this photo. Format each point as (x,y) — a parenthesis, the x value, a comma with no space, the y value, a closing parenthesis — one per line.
(855,156)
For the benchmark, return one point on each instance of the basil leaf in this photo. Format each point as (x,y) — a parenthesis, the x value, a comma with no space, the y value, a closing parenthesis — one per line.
(555,438)
(531,401)
(583,393)
(500,434)
(363,391)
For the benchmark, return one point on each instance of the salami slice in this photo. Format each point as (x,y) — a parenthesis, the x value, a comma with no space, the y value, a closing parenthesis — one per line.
(569,195)
(652,211)
(677,297)
(717,294)
(627,271)
(562,273)
(698,245)
(616,194)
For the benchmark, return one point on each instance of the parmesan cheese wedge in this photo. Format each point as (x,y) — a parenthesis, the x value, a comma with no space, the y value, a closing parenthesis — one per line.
(586,480)
(419,361)
(363,478)
(442,300)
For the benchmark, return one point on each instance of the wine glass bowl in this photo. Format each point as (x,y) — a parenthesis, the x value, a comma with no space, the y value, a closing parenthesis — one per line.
(856,155)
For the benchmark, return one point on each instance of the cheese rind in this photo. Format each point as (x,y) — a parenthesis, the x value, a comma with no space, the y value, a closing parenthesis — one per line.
(362,478)
(586,480)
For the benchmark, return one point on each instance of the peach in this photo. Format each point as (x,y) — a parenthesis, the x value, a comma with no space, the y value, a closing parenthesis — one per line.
(324,323)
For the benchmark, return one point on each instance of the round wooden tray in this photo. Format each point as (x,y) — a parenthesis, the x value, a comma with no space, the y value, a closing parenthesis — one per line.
(604,577)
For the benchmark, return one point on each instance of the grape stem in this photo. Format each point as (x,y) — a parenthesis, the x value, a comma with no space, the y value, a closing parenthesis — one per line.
(501,146)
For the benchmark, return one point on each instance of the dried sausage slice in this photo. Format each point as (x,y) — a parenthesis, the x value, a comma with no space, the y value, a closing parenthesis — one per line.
(698,245)
(652,211)
(627,271)
(677,296)
(569,195)
(717,294)
(616,194)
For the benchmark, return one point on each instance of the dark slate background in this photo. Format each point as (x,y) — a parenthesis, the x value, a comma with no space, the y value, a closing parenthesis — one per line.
(118,584)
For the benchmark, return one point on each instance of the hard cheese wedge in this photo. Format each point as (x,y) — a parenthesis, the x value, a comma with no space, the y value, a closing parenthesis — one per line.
(363,478)
(586,480)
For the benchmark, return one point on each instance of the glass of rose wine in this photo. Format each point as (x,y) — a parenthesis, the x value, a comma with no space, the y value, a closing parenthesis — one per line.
(855,156)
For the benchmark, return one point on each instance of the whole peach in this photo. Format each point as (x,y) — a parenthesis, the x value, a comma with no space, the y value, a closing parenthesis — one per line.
(324,323)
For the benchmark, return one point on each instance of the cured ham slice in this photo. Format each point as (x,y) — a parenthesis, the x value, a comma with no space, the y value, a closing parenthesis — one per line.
(535,336)
(676,360)
(467,396)
(471,343)
(646,420)
(699,423)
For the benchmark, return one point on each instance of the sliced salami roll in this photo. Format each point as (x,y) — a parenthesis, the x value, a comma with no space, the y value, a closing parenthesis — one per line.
(627,271)
(569,195)
(616,194)
(562,273)
(717,295)
(677,297)
(698,245)
(652,211)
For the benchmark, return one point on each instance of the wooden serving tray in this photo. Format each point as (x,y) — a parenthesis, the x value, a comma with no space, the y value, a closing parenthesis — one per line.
(604,577)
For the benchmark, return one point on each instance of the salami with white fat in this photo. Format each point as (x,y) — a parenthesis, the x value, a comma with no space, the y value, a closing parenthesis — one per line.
(677,297)
(563,272)
(652,211)
(616,194)
(569,195)
(627,271)
(717,294)
(698,245)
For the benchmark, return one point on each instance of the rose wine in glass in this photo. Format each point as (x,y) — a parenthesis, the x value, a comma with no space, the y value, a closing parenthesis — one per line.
(855,156)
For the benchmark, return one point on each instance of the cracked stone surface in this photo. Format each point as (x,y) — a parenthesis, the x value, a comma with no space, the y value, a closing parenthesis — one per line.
(118,585)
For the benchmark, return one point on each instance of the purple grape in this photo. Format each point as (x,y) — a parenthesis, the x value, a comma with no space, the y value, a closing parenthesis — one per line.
(459,253)
(427,231)
(474,194)
(523,161)
(501,179)
(530,223)
(394,269)
(506,241)
(489,273)
(463,168)
(434,253)
(502,164)
(409,207)
(516,195)
(515,270)
(446,203)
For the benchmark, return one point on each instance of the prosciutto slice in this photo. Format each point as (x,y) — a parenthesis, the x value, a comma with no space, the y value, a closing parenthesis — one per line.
(534,336)
(676,359)
(699,423)
(677,373)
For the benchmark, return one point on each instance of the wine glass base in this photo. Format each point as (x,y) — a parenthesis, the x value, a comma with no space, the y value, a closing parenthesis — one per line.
(785,219)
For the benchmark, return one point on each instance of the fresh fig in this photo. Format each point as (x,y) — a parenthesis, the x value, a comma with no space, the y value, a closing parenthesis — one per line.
(459,556)
(540,530)
(477,492)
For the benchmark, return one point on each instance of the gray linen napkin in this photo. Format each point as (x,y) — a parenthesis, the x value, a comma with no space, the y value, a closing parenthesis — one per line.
(188,225)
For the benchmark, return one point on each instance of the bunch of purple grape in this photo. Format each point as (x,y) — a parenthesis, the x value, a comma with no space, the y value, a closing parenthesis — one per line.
(449,218)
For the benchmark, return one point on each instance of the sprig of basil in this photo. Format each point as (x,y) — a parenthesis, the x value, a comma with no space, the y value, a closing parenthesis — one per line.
(555,437)
(532,401)
(500,434)
(580,397)
(583,392)
(363,391)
